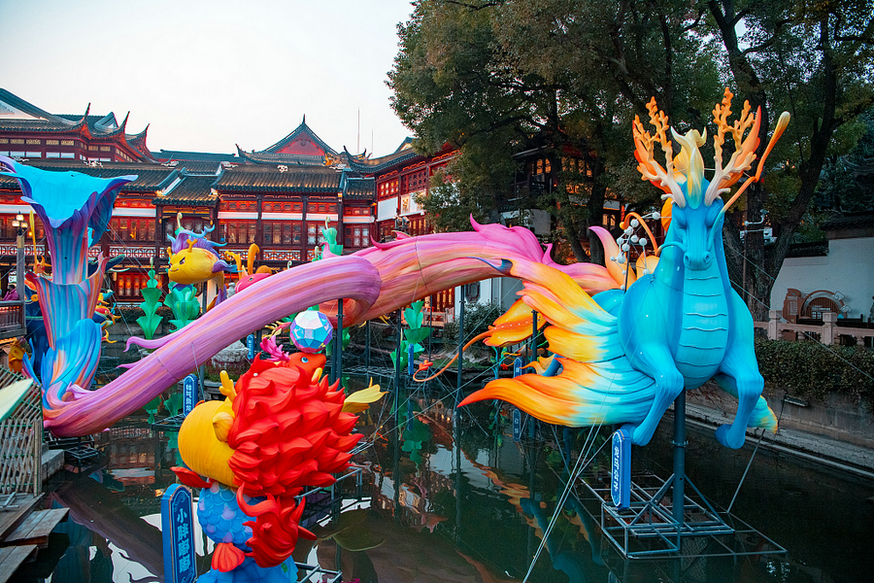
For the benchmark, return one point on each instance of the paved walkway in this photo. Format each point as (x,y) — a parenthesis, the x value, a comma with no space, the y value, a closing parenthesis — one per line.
(845,456)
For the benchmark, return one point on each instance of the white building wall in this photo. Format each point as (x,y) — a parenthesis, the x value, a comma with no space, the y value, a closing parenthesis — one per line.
(387,209)
(848,268)
(499,290)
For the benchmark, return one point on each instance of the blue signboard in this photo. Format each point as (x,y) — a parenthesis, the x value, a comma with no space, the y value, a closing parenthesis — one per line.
(250,344)
(177,530)
(189,393)
(620,480)
(411,356)
(517,367)
(517,425)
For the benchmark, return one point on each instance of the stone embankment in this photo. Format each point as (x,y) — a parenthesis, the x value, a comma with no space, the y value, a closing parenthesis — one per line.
(838,432)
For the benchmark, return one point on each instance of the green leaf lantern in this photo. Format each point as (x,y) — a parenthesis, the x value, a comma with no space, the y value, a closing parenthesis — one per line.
(151,302)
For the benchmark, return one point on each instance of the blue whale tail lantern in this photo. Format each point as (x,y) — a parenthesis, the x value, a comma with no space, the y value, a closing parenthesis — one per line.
(626,355)
(75,208)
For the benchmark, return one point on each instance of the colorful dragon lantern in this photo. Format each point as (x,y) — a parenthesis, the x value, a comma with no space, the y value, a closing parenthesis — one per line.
(280,429)
(626,355)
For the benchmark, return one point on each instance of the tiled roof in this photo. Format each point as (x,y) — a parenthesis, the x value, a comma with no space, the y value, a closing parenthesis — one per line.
(200,166)
(28,108)
(270,158)
(405,145)
(817,249)
(359,187)
(303,179)
(37,125)
(376,165)
(302,129)
(99,126)
(192,190)
(150,177)
(166,155)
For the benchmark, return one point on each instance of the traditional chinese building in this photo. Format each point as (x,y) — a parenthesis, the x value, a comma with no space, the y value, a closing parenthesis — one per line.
(279,198)
(27,131)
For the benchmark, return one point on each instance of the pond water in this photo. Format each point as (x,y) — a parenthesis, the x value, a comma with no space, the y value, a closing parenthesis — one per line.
(458,500)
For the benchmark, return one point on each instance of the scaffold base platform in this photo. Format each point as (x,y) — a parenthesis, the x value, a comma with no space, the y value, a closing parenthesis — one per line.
(647,528)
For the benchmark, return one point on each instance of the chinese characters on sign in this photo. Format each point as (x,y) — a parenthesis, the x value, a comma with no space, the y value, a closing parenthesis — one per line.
(620,481)
(177,530)
(517,367)
(189,393)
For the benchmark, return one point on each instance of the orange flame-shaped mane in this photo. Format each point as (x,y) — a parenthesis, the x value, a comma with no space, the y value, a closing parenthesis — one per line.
(288,432)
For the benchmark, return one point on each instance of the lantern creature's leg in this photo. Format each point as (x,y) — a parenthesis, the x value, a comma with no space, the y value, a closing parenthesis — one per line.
(740,364)
(655,360)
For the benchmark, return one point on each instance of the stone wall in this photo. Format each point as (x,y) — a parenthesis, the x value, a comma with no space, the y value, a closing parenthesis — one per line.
(839,427)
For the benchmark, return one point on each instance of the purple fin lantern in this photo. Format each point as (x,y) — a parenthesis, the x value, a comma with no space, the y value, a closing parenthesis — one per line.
(311,331)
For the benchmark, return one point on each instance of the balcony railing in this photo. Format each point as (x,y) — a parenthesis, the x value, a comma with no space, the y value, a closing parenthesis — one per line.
(12,319)
(830,330)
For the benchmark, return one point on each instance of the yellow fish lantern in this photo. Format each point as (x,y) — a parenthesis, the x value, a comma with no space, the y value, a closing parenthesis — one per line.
(194,259)
(195,264)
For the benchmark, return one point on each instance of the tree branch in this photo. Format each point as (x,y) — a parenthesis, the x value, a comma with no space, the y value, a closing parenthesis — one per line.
(758,48)
(475,7)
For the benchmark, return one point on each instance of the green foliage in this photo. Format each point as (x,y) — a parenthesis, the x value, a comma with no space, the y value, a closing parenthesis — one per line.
(846,182)
(184,304)
(548,77)
(551,78)
(152,408)
(150,320)
(414,315)
(477,319)
(415,334)
(810,370)
(812,59)
(174,403)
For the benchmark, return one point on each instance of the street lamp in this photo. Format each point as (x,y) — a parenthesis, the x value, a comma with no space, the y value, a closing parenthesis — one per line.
(20,225)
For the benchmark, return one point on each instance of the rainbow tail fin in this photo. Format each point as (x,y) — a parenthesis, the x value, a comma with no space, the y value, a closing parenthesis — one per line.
(580,329)
(597,384)
(583,394)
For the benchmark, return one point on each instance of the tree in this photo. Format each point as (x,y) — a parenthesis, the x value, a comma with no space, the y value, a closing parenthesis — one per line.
(847,182)
(813,59)
(498,78)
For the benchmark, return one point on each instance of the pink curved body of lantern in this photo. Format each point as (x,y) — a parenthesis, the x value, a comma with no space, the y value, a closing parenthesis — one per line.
(372,282)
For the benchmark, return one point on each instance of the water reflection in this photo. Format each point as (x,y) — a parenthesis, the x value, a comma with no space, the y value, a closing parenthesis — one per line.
(454,498)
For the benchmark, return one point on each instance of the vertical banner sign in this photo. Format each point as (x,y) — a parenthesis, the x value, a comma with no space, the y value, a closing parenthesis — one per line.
(177,530)
(189,393)
(411,356)
(517,367)
(620,480)
(250,344)
(517,424)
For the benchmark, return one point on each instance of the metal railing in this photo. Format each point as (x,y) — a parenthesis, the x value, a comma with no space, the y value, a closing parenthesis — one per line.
(829,331)
(12,321)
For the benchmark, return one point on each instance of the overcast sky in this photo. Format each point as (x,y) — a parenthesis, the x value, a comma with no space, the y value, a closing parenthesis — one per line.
(211,74)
